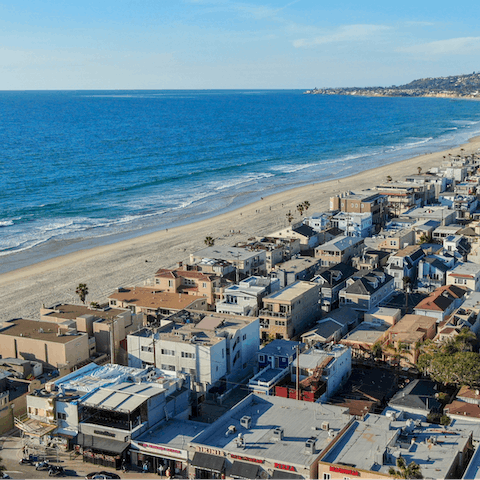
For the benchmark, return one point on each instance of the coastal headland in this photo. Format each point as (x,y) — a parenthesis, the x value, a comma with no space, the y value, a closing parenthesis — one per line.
(132,262)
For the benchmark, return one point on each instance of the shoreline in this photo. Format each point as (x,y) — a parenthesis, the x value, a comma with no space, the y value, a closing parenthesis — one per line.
(132,261)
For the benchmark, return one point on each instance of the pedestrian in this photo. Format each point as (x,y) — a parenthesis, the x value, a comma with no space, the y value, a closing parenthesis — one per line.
(124,465)
(168,473)
(145,467)
(160,470)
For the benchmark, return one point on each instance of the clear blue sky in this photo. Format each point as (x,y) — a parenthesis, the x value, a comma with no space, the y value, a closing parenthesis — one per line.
(208,44)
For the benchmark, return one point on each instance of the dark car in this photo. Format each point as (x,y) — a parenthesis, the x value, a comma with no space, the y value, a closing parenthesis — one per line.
(56,470)
(103,475)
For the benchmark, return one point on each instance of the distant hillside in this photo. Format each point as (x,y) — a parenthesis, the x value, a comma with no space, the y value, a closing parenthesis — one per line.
(463,86)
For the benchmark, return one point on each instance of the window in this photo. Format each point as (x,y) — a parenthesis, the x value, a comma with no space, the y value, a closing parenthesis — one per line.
(168,352)
(170,283)
(113,302)
(460,281)
(147,349)
(280,323)
(188,355)
(170,368)
(61,416)
(204,284)
(245,337)
(261,358)
(326,476)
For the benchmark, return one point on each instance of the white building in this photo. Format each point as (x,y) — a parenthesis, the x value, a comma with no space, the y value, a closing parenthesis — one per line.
(245,298)
(465,274)
(354,224)
(216,347)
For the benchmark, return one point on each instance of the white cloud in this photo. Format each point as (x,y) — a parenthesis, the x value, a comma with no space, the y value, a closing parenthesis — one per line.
(457,46)
(346,33)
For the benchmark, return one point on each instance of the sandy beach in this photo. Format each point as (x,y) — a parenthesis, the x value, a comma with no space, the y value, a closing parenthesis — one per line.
(132,262)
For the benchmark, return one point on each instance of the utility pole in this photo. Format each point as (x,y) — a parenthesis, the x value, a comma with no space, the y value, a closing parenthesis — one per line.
(298,374)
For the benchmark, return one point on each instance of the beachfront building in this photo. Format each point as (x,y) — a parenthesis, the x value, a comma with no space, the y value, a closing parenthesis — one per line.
(106,327)
(298,268)
(246,297)
(370,447)
(465,274)
(153,302)
(353,224)
(366,289)
(319,221)
(208,348)
(46,342)
(362,202)
(404,263)
(290,311)
(187,280)
(339,250)
(277,250)
(332,327)
(441,302)
(402,196)
(309,238)
(439,182)
(267,437)
(245,261)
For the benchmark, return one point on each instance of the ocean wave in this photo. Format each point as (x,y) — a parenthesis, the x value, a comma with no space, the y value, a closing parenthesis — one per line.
(6,223)
(291,168)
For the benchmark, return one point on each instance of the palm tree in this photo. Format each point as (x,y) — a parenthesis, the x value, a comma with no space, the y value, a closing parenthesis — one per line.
(300,208)
(306,205)
(82,291)
(289,216)
(209,241)
(412,470)
(389,178)
(419,170)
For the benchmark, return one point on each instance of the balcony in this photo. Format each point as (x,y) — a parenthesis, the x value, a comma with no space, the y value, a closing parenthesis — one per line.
(269,313)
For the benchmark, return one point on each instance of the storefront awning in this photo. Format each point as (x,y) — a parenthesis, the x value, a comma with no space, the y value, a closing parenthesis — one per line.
(208,462)
(284,474)
(244,470)
(103,444)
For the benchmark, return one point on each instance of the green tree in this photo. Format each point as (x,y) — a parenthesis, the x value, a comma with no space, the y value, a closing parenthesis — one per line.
(412,470)
(424,238)
(389,178)
(82,291)
(306,205)
(377,351)
(419,170)
(300,208)
(209,241)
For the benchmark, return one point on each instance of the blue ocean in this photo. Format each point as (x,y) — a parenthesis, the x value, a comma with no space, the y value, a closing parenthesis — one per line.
(83,168)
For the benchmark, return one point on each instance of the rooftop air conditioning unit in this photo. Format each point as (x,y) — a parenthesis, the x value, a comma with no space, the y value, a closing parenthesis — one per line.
(246,421)
(278,434)
(325,426)
(310,446)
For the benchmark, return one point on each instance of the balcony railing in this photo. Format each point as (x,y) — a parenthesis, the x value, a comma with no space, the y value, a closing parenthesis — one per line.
(268,313)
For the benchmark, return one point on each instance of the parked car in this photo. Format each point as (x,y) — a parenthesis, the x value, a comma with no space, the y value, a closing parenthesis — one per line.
(56,470)
(45,465)
(103,475)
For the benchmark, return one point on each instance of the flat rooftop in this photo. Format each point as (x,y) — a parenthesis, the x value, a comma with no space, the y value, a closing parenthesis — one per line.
(300,421)
(45,331)
(230,254)
(71,312)
(291,292)
(149,297)
(374,443)
(173,434)
(367,333)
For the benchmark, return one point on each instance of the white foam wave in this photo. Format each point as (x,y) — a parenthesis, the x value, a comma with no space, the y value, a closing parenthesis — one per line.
(291,168)
(6,223)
